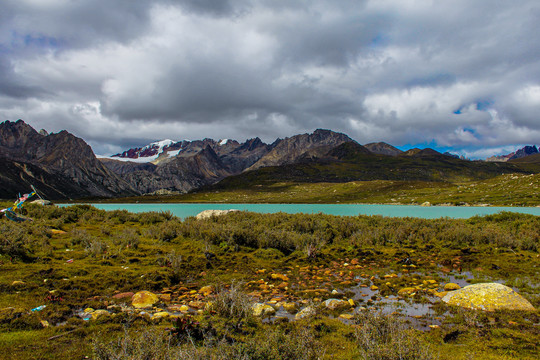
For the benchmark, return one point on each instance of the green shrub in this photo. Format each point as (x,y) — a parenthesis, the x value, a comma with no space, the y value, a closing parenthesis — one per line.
(13,240)
(127,238)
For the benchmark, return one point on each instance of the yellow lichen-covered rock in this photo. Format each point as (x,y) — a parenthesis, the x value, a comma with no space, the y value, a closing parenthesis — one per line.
(334,304)
(346,316)
(161,315)
(306,312)
(57,232)
(280,277)
(206,290)
(263,310)
(290,307)
(100,314)
(406,291)
(440,294)
(374,287)
(487,296)
(451,287)
(144,300)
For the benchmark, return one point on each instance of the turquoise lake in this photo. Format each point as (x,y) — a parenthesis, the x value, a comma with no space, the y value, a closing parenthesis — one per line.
(431,212)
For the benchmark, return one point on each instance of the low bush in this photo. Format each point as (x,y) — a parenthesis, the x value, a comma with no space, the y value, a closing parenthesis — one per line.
(149,344)
(385,337)
(127,238)
(13,241)
(232,303)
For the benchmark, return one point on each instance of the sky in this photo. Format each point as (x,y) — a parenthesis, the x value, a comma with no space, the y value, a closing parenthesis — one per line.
(456,75)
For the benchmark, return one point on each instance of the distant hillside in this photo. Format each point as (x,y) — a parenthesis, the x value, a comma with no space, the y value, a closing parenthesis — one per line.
(353,162)
(531,159)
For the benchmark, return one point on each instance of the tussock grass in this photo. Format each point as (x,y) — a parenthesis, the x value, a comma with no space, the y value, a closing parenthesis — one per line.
(386,337)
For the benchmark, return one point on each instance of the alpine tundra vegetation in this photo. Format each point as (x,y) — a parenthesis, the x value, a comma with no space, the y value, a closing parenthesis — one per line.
(81,282)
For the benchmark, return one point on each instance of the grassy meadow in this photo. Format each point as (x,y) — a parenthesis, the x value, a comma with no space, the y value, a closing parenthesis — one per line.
(503,190)
(68,276)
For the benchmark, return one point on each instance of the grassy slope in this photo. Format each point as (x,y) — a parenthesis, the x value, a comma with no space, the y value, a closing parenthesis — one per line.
(504,190)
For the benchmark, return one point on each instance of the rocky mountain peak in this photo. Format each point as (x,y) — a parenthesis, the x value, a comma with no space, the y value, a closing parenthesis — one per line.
(290,149)
(525,151)
(383,148)
(14,135)
(520,153)
(62,164)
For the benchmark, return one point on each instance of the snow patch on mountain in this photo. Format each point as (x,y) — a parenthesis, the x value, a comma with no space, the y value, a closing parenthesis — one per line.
(173,153)
(160,144)
(143,159)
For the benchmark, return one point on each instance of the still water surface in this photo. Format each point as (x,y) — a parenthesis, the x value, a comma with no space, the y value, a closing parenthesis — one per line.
(431,212)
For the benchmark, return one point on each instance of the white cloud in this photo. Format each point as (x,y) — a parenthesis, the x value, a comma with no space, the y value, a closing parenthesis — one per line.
(128,72)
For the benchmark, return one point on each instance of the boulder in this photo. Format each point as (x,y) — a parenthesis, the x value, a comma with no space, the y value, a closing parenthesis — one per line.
(334,304)
(165,297)
(306,312)
(264,310)
(206,214)
(489,297)
(406,291)
(290,307)
(451,287)
(100,314)
(144,300)
(161,315)
(41,202)
(206,290)
(427,203)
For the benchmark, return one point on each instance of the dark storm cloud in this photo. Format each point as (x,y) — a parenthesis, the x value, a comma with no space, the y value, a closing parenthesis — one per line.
(73,24)
(457,74)
(11,87)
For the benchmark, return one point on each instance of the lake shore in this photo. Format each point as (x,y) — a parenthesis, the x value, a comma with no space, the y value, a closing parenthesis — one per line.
(184,210)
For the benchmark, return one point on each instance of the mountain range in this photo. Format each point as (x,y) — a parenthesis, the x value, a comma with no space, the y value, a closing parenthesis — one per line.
(63,166)
(518,154)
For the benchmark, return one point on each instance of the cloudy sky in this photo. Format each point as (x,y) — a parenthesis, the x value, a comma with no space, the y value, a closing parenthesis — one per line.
(461,75)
